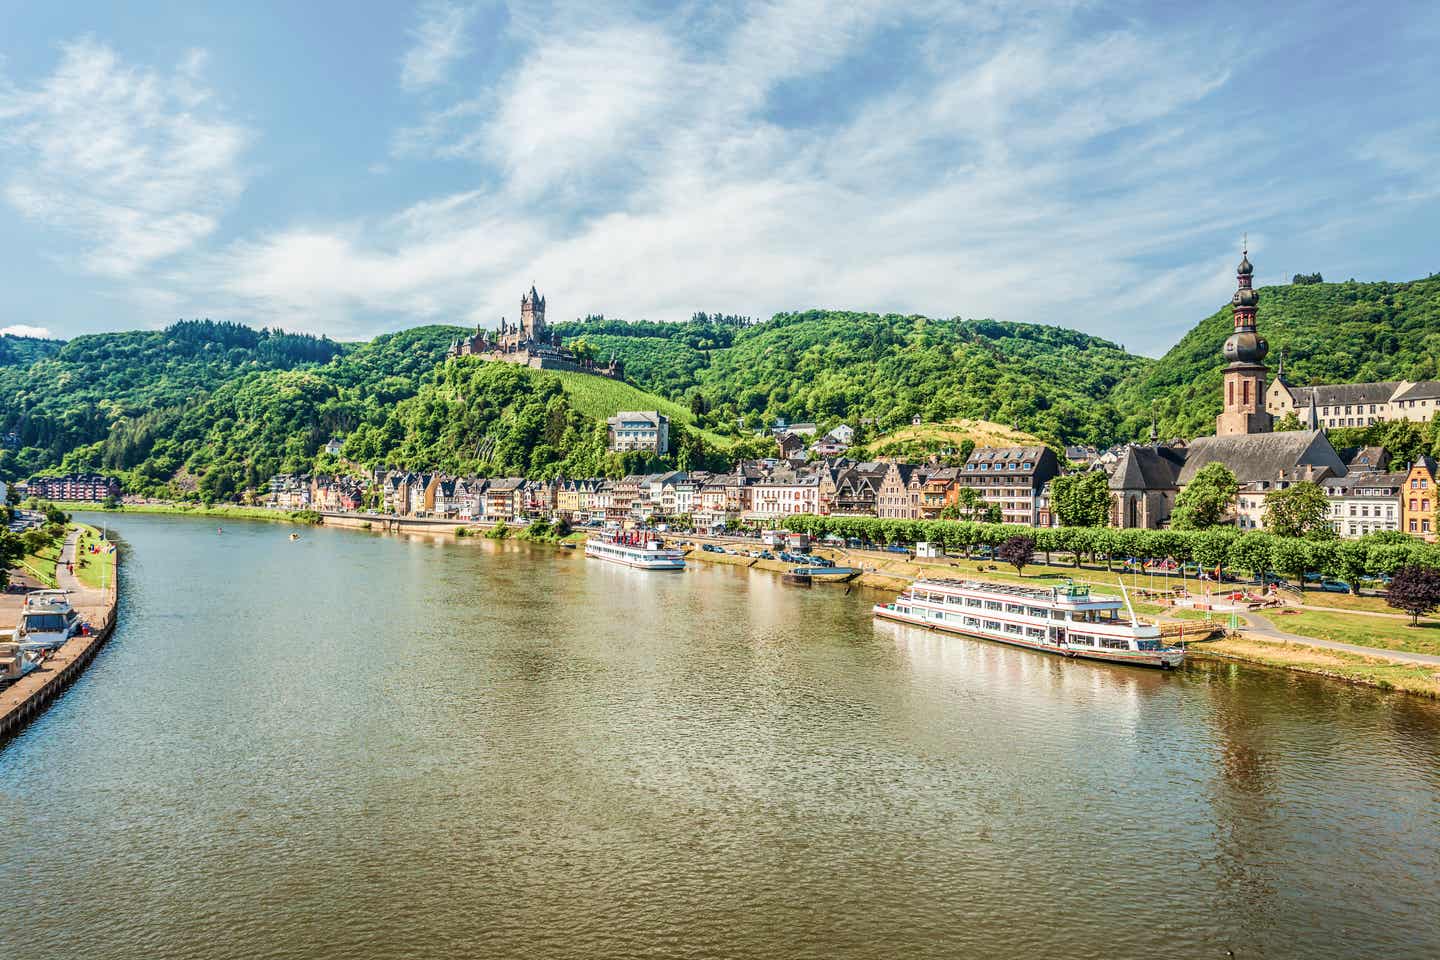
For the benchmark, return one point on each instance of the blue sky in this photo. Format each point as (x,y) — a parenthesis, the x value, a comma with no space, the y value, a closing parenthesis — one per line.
(352,168)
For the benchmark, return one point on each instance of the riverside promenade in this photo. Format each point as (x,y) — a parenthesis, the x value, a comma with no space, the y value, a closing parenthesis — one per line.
(24,699)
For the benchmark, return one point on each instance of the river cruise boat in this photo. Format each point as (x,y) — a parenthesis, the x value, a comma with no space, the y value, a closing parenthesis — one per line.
(636,548)
(1068,620)
(46,620)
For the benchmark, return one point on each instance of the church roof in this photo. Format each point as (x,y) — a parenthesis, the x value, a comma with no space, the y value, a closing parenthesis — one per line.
(1264,456)
(1147,468)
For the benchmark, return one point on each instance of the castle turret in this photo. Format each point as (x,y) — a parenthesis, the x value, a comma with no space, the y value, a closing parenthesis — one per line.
(1244,389)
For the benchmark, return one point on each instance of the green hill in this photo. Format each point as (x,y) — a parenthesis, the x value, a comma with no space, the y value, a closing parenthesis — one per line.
(478,417)
(23,351)
(1326,333)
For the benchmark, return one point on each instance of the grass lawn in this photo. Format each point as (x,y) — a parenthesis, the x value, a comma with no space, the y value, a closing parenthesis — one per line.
(41,565)
(1329,663)
(93,570)
(1365,631)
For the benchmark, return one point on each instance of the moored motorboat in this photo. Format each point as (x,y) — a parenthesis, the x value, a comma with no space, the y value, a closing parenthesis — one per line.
(47,620)
(15,662)
(834,574)
(1067,620)
(796,578)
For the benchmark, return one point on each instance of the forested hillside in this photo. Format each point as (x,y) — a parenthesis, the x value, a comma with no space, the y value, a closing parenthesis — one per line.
(1326,333)
(216,408)
(23,351)
(497,419)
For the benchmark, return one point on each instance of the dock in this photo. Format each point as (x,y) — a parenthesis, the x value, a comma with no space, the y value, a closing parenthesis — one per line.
(27,697)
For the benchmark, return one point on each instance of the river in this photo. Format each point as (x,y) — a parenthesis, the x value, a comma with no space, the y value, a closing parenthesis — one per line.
(359,745)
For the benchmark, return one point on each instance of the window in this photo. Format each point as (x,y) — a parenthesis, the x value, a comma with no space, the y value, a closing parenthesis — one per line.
(992,605)
(993,625)
(972,602)
(1081,640)
(1013,628)
(1014,608)
(1112,643)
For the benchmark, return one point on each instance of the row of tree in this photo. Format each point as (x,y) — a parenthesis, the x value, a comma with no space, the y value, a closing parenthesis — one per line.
(1216,550)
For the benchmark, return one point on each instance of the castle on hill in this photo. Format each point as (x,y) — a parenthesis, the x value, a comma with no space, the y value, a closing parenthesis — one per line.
(531,343)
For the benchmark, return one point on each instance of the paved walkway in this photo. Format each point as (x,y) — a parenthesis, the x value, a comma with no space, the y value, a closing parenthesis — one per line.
(1262,626)
(86,599)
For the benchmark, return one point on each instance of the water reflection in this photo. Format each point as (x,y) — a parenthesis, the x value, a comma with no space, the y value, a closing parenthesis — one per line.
(397,746)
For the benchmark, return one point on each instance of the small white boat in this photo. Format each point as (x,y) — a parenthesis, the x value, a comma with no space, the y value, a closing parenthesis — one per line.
(1067,620)
(640,548)
(14,662)
(46,621)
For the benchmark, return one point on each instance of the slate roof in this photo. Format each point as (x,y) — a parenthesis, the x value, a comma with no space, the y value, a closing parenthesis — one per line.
(1424,390)
(1147,468)
(1329,395)
(1263,456)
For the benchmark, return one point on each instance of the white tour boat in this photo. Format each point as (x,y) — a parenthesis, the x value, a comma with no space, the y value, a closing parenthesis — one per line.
(1067,620)
(639,548)
(46,621)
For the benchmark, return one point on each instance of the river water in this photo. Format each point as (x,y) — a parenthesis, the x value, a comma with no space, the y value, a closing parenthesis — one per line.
(359,745)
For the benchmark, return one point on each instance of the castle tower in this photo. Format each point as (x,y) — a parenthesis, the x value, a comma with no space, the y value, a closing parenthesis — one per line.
(532,315)
(1244,389)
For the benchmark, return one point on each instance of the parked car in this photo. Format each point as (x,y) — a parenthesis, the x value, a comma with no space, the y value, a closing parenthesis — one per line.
(766,555)
(711,548)
(1334,586)
(896,548)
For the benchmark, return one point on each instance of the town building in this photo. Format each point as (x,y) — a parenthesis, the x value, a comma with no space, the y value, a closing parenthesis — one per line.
(646,430)
(333,446)
(1419,499)
(1010,478)
(1353,404)
(1364,503)
(74,486)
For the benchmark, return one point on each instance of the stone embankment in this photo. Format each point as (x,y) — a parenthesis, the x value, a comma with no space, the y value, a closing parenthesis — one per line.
(24,699)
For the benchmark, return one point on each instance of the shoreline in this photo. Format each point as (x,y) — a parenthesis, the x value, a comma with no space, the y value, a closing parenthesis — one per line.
(28,697)
(887,574)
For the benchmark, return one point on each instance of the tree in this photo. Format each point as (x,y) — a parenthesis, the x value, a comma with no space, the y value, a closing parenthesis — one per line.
(1081,499)
(1018,551)
(1306,279)
(1414,589)
(970,505)
(1207,500)
(11,550)
(1299,510)
(1288,423)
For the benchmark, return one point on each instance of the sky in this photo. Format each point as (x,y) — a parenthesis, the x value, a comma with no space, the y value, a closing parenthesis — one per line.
(355,168)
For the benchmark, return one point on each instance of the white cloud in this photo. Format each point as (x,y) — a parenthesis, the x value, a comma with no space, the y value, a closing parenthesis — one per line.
(440,42)
(1009,164)
(25,330)
(126,160)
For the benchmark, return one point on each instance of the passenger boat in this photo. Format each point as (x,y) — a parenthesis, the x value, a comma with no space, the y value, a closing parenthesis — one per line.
(639,548)
(1067,620)
(797,577)
(46,620)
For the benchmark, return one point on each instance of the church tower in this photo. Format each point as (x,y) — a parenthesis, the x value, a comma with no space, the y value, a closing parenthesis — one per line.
(532,315)
(1244,390)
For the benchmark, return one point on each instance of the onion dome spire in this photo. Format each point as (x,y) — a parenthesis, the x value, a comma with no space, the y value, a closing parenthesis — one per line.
(1244,346)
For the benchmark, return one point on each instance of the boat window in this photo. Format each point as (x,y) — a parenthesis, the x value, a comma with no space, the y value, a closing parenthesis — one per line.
(1014,608)
(992,625)
(971,622)
(44,622)
(1012,628)
(1113,643)
(1081,640)
(992,604)
(1035,633)
(1147,644)
(1035,611)
(972,602)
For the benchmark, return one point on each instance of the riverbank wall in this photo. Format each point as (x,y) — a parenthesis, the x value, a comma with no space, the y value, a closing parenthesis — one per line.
(27,698)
